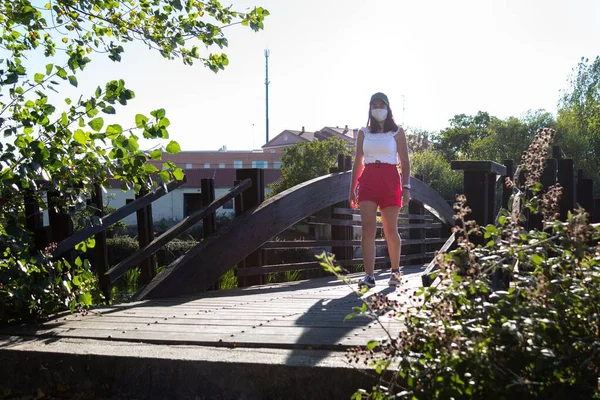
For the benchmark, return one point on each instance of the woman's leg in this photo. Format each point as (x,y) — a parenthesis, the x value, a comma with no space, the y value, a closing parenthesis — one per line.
(389,215)
(368,215)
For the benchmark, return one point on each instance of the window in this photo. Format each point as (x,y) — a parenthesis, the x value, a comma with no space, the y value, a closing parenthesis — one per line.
(192,202)
(228,205)
(222,165)
(188,166)
(206,165)
(260,164)
(238,164)
(277,164)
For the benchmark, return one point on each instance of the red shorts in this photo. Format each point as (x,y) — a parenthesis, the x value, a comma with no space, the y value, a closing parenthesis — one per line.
(380,183)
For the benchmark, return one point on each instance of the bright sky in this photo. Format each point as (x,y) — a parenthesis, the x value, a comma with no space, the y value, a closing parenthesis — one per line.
(327,57)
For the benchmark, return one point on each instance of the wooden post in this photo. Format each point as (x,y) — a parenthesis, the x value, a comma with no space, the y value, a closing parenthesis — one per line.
(343,232)
(506,191)
(100,264)
(416,208)
(34,222)
(207,194)
(556,153)
(252,198)
(61,225)
(209,224)
(585,193)
(567,182)
(480,188)
(549,178)
(145,229)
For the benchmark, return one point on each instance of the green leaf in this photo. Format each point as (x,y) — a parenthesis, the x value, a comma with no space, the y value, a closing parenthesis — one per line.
(109,110)
(173,147)
(164,122)
(38,78)
(164,175)
(62,73)
(140,120)
(49,68)
(536,259)
(372,344)
(158,114)
(178,174)
(96,124)
(73,80)
(150,169)
(80,137)
(64,120)
(85,299)
(156,154)
(112,131)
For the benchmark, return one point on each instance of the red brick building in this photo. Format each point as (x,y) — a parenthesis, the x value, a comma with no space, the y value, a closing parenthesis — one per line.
(220,165)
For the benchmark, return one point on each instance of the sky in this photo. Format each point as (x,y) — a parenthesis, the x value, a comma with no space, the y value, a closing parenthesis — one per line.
(433,58)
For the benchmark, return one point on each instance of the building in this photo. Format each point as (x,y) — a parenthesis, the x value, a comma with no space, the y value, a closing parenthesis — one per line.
(184,200)
(290,137)
(220,165)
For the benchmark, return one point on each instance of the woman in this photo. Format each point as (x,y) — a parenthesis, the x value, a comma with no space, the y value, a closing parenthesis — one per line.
(380,145)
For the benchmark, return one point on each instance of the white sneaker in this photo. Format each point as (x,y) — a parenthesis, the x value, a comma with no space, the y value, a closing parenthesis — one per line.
(395,279)
(367,281)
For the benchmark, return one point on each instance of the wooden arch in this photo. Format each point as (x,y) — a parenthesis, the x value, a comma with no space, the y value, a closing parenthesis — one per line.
(201,266)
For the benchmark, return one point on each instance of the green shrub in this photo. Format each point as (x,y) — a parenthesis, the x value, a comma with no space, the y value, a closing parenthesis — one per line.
(33,290)
(436,172)
(539,338)
(121,247)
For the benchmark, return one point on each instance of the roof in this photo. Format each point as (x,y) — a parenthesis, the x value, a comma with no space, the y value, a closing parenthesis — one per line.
(224,177)
(278,140)
(345,134)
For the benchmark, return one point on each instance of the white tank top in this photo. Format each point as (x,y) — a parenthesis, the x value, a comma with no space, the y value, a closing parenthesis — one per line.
(380,147)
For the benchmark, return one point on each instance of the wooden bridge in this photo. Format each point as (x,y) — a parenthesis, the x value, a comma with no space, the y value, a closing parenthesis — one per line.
(286,339)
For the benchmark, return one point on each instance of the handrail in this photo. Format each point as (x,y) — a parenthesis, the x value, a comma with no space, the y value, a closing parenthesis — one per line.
(200,267)
(125,265)
(426,276)
(128,209)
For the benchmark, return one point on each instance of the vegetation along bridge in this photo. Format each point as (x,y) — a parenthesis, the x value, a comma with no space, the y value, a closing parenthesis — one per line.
(260,337)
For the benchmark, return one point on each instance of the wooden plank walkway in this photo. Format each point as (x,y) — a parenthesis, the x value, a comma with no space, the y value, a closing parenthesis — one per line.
(294,315)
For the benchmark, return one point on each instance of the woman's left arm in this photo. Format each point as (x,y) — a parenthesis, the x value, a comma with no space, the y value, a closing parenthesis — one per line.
(402,147)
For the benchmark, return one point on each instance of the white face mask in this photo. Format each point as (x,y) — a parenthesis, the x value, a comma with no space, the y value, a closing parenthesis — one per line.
(380,114)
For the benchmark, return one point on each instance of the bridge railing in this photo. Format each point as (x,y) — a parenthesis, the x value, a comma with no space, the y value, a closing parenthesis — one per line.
(60,229)
(480,186)
(422,234)
(421,231)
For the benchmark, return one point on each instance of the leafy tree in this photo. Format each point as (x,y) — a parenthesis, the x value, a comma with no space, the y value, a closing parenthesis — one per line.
(67,148)
(508,139)
(305,161)
(436,172)
(455,141)
(485,137)
(418,140)
(578,121)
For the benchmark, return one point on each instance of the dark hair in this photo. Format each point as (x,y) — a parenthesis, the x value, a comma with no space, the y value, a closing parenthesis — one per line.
(389,125)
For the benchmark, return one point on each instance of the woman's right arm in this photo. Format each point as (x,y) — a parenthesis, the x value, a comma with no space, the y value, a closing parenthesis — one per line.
(357,168)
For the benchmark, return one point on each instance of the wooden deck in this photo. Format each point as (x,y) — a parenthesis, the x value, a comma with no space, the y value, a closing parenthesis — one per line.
(273,341)
(294,315)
